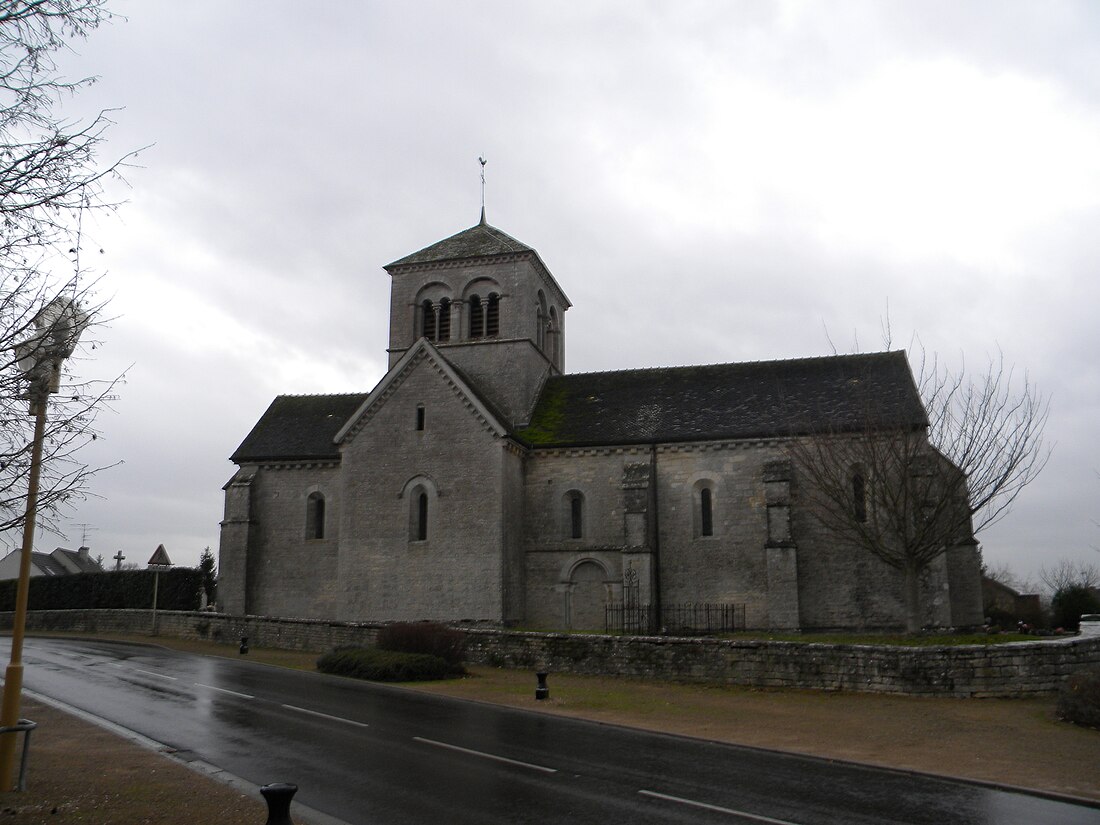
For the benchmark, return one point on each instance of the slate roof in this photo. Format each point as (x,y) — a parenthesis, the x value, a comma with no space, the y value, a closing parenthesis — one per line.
(479,241)
(47,564)
(73,559)
(298,427)
(758,399)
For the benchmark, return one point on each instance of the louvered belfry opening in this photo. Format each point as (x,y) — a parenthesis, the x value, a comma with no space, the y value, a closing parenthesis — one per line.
(428,320)
(444,326)
(477,317)
(492,315)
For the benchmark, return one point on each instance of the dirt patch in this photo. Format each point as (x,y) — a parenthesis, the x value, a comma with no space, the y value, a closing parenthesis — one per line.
(80,773)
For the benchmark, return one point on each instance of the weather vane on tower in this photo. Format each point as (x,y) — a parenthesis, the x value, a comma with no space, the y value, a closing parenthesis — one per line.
(482,161)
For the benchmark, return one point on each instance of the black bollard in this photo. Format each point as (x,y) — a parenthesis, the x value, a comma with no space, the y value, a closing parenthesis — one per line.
(244,644)
(542,691)
(278,796)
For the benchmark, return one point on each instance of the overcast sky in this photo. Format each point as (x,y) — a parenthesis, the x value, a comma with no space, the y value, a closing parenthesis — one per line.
(709,182)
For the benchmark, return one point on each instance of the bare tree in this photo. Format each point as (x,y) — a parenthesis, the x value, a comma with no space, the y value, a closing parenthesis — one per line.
(1002,574)
(1066,573)
(908,482)
(50,178)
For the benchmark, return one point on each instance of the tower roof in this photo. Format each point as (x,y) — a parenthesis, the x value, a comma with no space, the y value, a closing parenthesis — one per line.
(480,241)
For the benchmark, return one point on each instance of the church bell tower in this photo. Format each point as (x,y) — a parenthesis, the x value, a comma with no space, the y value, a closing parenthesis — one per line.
(490,306)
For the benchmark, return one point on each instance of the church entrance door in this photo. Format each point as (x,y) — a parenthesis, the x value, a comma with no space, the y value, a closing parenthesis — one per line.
(588,597)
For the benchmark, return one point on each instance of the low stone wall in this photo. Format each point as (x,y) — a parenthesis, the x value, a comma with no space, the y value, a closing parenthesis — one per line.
(262,631)
(1014,669)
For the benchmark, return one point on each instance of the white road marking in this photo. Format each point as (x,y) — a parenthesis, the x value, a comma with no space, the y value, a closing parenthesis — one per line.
(327,716)
(708,807)
(223,690)
(151,673)
(483,755)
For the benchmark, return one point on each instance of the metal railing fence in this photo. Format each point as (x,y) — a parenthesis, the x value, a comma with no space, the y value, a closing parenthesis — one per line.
(679,619)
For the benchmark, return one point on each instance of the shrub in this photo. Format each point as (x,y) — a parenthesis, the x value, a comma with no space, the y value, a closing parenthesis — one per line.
(425,637)
(1070,603)
(383,665)
(1079,698)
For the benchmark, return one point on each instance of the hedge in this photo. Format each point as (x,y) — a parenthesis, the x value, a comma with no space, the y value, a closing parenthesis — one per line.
(178,589)
(383,665)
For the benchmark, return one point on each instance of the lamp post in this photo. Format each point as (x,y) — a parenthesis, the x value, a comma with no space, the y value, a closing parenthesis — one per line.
(58,326)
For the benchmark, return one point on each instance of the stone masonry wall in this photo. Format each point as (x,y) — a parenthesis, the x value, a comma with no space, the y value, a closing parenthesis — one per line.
(288,572)
(730,565)
(551,553)
(386,572)
(1014,669)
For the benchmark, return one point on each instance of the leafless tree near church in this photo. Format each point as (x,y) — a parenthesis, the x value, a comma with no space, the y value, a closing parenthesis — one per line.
(50,179)
(1066,573)
(907,488)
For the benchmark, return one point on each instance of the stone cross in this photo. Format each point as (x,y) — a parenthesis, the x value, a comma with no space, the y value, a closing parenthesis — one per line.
(118,557)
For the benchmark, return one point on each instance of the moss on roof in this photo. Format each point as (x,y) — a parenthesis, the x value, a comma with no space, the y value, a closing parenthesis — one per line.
(547,420)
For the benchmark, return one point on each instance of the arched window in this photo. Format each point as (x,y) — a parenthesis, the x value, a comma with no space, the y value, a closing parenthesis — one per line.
(477,317)
(554,339)
(418,514)
(706,513)
(420,417)
(573,515)
(859,496)
(427,314)
(492,315)
(444,320)
(703,508)
(422,517)
(315,516)
(418,493)
(540,323)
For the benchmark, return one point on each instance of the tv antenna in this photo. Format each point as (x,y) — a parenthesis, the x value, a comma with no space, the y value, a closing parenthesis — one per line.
(85,529)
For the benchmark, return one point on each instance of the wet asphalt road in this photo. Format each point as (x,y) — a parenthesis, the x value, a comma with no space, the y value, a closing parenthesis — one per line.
(370,754)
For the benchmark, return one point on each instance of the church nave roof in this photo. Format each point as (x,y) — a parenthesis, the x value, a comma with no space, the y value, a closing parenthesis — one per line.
(758,399)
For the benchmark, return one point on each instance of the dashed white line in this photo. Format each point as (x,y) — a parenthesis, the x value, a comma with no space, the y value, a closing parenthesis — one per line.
(718,808)
(151,673)
(223,690)
(484,755)
(327,716)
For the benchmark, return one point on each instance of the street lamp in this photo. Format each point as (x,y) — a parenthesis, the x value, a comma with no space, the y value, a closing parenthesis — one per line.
(58,325)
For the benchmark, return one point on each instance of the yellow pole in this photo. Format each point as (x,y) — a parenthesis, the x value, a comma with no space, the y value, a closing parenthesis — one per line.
(13,677)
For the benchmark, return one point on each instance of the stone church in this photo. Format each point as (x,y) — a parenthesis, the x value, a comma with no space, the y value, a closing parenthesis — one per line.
(479,481)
